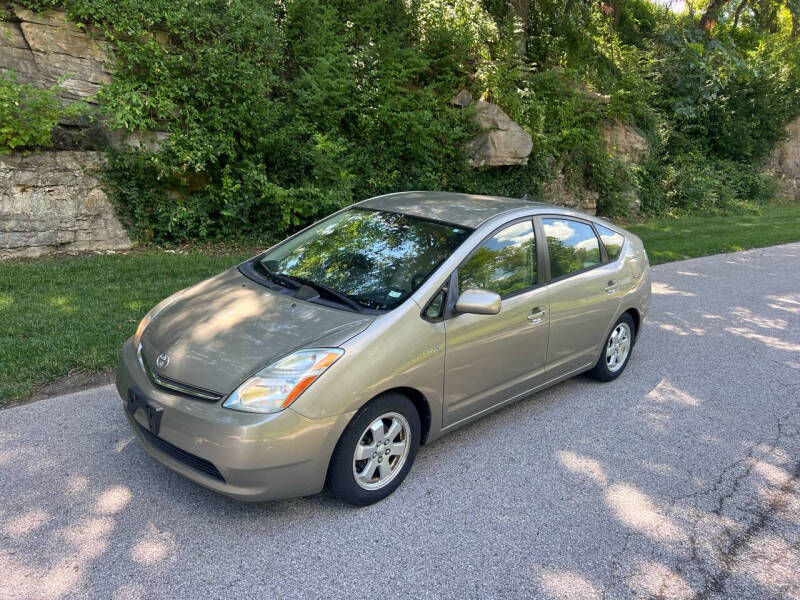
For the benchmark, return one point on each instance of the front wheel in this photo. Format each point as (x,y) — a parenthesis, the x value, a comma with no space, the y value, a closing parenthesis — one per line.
(616,351)
(376,451)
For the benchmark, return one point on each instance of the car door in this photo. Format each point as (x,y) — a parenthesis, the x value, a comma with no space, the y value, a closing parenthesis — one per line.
(491,358)
(583,292)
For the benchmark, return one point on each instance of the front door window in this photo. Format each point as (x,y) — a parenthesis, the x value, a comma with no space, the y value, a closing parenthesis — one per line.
(505,264)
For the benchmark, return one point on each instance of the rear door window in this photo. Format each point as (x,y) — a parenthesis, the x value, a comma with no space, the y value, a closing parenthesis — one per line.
(572,246)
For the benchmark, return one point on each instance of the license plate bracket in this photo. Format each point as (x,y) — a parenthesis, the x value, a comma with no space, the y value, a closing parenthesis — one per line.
(136,400)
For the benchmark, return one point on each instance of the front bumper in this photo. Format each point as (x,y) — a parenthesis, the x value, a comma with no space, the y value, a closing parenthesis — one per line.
(253,457)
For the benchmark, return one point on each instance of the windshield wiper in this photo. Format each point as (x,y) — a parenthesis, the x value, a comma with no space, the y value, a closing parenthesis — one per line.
(343,298)
(284,280)
(296,282)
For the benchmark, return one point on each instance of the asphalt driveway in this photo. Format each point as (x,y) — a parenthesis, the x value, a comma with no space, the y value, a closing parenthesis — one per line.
(680,479)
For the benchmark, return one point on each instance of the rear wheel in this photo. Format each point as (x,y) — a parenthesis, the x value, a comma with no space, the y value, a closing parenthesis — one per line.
(376,451)
(616,351)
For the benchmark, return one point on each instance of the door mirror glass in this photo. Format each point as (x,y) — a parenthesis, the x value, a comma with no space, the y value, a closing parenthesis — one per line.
(478,302)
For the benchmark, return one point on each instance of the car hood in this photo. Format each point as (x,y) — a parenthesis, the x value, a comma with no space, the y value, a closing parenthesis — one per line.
(220,331)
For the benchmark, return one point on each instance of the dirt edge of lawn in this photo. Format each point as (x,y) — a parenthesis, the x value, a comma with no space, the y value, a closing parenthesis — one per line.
(67,384)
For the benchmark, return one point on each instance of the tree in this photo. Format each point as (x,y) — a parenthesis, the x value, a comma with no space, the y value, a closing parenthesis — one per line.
(520,10)
(711,13)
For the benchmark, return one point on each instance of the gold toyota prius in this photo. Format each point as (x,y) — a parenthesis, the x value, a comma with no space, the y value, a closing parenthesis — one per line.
(332,356)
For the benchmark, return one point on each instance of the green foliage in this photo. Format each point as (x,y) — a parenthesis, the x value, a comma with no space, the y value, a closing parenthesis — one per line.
(27,114)
(279,113)
(694,184)
(731,102)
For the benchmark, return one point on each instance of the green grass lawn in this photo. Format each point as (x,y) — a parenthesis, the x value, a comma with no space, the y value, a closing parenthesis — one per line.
(60,315)
(64,315)
(667,240)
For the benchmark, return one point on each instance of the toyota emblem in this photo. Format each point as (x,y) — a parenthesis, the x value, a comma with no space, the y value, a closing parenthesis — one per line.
(162,361)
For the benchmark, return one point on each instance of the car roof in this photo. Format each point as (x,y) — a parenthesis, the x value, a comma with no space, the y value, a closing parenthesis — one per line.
(466,210)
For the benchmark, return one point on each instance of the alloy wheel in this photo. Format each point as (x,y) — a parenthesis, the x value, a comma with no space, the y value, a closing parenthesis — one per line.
(618,348)
(381,451)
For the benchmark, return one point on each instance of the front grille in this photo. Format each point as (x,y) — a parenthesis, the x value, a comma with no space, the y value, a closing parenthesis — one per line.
(187,458)
(176,386)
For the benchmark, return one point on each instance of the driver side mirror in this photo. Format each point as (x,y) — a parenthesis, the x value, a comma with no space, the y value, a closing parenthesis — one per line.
(478,302)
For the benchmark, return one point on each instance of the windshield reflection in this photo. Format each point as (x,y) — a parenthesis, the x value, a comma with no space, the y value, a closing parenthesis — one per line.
(376,258)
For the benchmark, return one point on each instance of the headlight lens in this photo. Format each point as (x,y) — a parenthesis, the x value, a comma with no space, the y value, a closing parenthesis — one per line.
(278,385)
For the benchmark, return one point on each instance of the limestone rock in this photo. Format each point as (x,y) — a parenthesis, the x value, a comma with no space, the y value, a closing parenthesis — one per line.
(53,39)
(625,143)
(559,192)
(784,163)
(596,96)
(503,142)
(462,98)
(52,202)
(15,54)
(43,47)
(137,140)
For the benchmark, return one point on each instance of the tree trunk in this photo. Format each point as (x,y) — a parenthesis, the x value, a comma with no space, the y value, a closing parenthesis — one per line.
(711,13)
(521,10)
(617,14)
(738,13)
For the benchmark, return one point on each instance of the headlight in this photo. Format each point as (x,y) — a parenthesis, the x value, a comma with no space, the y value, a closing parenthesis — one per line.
(277,385)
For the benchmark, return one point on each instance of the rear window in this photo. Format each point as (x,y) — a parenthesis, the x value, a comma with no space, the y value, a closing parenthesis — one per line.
(611,240)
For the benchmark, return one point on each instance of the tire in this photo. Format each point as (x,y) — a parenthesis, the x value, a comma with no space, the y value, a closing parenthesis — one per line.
(613,360)
(359,481)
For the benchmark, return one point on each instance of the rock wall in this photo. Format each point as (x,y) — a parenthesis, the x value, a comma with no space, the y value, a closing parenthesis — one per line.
(504,143)
(784,164)
(52,202)
(42,47)
(625,143)
(628,146)
(560,192)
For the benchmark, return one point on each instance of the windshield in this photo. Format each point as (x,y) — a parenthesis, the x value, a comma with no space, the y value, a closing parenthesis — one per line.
(375,258)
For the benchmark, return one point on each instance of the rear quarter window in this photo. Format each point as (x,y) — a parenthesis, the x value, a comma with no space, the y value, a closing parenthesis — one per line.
(612,241)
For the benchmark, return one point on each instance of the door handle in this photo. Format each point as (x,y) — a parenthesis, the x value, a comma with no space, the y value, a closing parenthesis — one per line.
(612,286)
(537,315)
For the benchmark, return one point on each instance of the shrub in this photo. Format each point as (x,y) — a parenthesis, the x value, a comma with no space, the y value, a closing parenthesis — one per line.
(28,114)
(695,185)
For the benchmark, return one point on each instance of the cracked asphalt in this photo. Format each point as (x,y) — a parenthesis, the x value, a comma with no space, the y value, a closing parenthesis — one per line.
(678,480)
